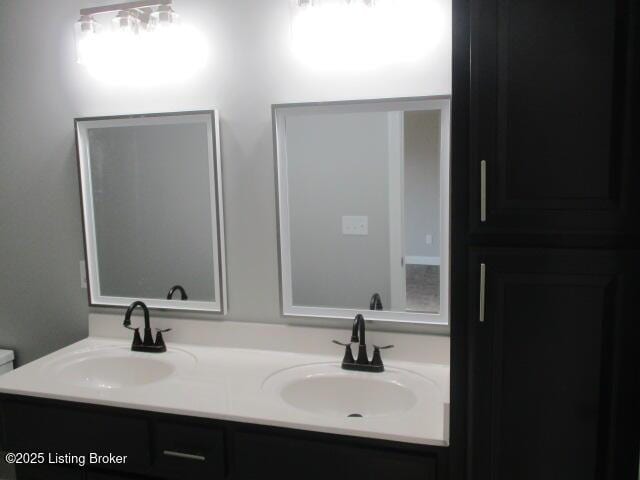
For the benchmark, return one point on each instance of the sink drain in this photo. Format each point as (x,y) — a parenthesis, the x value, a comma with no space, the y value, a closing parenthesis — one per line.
(354,415)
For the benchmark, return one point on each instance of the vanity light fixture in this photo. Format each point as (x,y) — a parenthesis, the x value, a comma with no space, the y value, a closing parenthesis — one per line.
(364,34)
(130,18)
(146,43)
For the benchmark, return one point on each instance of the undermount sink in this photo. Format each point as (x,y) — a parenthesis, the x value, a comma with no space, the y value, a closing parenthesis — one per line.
(327,389)
(118,367)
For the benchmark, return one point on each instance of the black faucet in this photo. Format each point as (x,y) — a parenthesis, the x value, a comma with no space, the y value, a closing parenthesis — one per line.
(148,344)
(376,302)
(172,290)
(361,363)
(358,335)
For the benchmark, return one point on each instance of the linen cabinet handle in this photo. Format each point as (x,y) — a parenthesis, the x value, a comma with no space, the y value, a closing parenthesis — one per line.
(483,275)
(483,191)
(186,456)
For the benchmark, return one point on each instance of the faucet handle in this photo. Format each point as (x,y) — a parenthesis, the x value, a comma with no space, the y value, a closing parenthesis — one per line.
(159,343)
(137,339)
(376,361)
(348,356)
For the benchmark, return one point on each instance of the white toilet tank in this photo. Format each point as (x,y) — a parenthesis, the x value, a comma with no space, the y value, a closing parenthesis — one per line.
(6,361)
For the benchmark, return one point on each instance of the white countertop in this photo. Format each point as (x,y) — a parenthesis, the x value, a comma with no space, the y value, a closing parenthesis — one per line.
(227,384)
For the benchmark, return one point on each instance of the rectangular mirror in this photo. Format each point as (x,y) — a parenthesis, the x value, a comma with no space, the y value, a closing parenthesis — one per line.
(152,210)
(363,194)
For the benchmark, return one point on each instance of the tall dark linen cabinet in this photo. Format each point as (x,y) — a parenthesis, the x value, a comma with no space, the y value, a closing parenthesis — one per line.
(545,240)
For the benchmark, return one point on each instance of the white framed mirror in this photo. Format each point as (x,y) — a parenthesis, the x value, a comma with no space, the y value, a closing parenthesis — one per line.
(363,208)
(151,195)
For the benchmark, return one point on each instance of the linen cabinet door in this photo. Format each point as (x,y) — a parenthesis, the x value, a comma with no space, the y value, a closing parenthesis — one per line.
(553,122)
(554,385)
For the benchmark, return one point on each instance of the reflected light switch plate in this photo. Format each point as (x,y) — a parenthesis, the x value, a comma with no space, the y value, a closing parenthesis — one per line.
(355,225)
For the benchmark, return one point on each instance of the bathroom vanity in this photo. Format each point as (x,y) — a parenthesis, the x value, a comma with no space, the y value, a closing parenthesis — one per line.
(164,446)
(212,412)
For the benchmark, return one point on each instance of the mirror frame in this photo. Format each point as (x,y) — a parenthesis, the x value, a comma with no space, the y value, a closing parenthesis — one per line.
(96,299)
(279,114)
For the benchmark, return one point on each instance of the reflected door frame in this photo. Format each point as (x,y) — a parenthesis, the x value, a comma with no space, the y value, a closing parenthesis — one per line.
(397,273)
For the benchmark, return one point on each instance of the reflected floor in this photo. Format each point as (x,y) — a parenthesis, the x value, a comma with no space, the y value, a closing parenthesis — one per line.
(423,288)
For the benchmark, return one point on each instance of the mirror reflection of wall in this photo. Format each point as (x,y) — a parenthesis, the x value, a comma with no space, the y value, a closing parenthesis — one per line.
(361,209)
(150,197)
(150,234)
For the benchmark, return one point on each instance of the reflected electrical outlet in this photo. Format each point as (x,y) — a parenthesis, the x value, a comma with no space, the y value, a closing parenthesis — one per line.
(355,225)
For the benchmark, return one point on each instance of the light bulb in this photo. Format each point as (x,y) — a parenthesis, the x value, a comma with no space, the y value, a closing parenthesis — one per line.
(162,17)
(125,22)
(86,32)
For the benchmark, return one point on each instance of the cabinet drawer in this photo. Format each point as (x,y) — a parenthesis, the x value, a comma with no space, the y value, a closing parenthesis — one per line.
(189,451)
(77,431)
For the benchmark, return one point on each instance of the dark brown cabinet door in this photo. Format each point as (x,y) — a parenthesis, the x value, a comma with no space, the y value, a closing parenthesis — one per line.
(31,426)
(46,472)
(114,476)
(554,384)
(554,116)
(292,457)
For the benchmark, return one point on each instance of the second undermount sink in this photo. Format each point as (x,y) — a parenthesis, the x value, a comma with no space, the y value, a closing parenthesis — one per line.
(327,389)
(118,367)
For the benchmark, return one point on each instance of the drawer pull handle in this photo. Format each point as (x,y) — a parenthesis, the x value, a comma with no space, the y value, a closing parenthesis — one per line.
(483,191)
(483,290)
(186,456)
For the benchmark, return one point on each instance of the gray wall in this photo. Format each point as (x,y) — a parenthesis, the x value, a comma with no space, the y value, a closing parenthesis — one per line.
(422,182)
(42,307)
(153,210)
(338,165)
(42,89)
